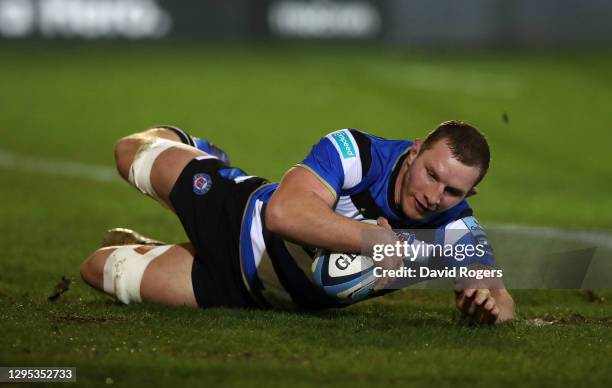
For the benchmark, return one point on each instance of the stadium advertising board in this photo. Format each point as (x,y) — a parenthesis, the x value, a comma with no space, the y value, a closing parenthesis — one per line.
(122,19)
(325,19)
(157,19)
(134,19)
(405,22)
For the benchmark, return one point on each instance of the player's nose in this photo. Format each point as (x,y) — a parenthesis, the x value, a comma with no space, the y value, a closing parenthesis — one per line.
(434,197)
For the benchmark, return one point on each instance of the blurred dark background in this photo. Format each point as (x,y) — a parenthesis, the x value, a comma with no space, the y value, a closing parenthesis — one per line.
(413,23)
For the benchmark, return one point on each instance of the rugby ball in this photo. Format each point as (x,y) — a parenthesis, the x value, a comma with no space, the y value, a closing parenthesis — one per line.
(347,277)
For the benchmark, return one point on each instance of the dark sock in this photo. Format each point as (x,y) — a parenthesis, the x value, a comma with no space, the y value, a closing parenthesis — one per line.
(184,136)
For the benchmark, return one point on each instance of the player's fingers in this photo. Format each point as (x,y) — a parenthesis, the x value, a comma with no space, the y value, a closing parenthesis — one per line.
(462,303)
(489,304)
(477,301)
(459,301)
(468,305)
(469,292)
(481,315)
(382,221)
(481,296)
(493,315)
(472,308)
(484,312)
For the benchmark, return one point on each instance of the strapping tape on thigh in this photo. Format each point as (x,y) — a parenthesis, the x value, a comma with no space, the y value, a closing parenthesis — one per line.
(140,171)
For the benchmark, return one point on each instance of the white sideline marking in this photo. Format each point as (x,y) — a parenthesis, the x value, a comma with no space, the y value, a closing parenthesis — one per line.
(92,172)
(596,238)
(456,81)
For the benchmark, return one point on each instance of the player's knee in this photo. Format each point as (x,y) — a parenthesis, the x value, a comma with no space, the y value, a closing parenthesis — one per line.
(125,151)
(128,147)
(162,133)
(92,269)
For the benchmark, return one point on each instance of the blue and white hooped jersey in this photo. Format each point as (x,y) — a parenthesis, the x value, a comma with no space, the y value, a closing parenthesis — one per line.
(360,170)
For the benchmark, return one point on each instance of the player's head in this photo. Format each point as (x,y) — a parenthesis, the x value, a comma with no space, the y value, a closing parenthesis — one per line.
(442,170)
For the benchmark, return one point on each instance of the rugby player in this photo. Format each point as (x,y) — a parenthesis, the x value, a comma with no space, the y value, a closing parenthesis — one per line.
(250,240)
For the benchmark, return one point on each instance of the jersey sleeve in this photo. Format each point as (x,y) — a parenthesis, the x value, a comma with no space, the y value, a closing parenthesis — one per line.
(336,161)
(470,243)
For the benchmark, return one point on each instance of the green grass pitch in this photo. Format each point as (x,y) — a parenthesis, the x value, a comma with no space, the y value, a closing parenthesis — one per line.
(266,106)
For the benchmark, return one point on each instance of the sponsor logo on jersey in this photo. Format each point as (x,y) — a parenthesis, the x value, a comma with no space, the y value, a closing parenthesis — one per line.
(478,233)
(472,224)
(201,183)
(346,145)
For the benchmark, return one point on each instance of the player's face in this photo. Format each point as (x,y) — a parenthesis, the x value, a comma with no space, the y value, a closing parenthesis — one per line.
(433,181)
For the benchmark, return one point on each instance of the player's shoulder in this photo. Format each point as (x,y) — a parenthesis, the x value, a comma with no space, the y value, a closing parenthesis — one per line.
(369,149)
(348,138)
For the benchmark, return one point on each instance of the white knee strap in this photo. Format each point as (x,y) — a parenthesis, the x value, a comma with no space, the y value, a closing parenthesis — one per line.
(140,171)
(123,271)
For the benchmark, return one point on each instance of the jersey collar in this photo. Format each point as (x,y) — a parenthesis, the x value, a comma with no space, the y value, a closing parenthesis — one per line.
(395,208)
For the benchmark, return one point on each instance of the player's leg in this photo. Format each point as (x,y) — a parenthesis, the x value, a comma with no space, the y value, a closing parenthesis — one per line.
(127,147)
(152,160)
(135,273)
(209,212)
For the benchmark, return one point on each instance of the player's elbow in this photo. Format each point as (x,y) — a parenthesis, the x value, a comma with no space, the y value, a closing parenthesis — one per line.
(279,215)
(275,217)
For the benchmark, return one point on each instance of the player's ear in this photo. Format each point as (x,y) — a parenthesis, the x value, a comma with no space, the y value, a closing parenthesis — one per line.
(473,191)
(414,150)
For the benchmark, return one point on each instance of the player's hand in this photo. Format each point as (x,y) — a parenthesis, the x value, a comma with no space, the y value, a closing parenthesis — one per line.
(383,222)
(389,262)
(477,304)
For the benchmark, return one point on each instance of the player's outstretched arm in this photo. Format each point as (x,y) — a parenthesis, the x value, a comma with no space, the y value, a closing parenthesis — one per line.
(301,211)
